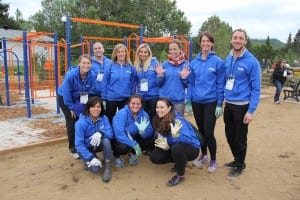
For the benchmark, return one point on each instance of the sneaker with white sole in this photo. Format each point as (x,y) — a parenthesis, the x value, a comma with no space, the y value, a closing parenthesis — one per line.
(212,166)
(200,161)
(75,155)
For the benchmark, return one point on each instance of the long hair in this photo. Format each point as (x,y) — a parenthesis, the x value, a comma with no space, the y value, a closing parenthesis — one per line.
(91,103)
(138,63)
(114,53)
(162,125)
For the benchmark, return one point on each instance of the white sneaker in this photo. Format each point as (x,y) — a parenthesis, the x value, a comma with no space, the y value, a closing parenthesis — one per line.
(75,156)
(200,161)
(212,166)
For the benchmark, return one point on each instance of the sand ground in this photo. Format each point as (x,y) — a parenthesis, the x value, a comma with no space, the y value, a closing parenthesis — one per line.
(273,168)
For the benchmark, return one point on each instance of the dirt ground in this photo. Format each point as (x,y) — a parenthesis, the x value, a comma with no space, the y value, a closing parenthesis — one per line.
(273,167)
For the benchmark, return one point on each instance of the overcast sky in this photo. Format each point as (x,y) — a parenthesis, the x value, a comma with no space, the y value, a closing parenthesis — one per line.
(275,18)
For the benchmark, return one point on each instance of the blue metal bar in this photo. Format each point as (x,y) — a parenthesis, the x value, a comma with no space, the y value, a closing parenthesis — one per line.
(26,80)
(6,72)
(68,38)
(56,70)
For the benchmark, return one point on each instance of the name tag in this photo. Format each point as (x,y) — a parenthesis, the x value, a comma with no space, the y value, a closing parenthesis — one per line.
(84,97)
(144,85)
(100,76)
(229,84)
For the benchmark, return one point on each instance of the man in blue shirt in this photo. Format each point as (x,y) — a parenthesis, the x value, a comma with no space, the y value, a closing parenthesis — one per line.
(242,94)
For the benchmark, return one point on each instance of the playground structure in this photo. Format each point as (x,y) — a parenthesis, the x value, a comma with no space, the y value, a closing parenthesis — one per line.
(44,72)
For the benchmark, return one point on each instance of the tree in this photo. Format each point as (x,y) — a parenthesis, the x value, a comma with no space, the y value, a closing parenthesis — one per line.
(5,20)
(152,14)
(222,33)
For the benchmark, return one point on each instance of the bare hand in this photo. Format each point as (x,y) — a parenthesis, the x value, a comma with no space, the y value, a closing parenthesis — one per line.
(185,72)
(73,115)
(159,70)
(248,118)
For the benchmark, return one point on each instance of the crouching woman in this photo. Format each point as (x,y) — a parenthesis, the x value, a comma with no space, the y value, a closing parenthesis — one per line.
(93,134)
(176,140)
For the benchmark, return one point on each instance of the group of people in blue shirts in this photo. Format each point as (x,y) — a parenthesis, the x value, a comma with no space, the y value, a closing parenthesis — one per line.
(120,108)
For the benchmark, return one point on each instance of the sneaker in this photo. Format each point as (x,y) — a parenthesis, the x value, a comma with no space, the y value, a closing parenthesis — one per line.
(119,162)
(235,172)
(233,164)
(75,155)
(132,159)
(277,102)
(175,180)
(200,161)
(212,166)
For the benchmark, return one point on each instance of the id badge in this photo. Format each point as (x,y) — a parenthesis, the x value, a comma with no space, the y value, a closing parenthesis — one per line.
(144,85)
(84,97)
(229,84)
(100,76)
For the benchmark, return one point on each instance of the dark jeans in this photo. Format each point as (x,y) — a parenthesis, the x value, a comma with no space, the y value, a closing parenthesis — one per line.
(70,123)
(150,107)
(236,131)
(205,118)
(122,149)
(279,85)
(112,107)
(179,153)
(105,147)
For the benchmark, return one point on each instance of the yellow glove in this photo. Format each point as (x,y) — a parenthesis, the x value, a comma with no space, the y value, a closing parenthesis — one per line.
(175,128)
(161,142)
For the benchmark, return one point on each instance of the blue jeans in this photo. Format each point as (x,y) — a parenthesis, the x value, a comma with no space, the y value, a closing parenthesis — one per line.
(105,147)
(279,85)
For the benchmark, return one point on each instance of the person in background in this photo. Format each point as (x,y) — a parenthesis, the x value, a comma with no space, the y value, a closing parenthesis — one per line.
(100,64)
(279,76)
(73,94)
(242,94)
(132,131)
(206,95)
(93,134)
(119,81)
(176,140)
(147,85)
(173,76)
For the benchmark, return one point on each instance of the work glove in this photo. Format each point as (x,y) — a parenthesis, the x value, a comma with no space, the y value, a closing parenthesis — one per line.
(219,111)
(162,143)
(104,104)
(137,149)
(175,128)
(143,125)
(188,108)
(96,139)
(95,162)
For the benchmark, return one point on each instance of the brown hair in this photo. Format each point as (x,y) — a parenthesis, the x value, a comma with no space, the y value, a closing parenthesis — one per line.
(162,125)
(85,56)
(209,36)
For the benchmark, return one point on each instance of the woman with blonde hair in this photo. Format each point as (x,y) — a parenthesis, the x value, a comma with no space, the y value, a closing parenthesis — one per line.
(119,81)
(147,84)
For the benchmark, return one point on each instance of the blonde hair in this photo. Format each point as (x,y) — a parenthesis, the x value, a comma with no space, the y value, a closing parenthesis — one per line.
(138,62)
(114,53)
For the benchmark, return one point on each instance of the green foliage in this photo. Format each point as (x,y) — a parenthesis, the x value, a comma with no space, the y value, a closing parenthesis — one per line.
(5,19)
(222,34)
(276,44)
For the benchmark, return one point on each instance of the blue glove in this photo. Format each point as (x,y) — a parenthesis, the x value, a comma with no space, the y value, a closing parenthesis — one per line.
(219,111)
(143,125)
(137,149)
(188,108)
